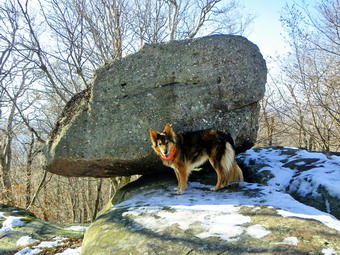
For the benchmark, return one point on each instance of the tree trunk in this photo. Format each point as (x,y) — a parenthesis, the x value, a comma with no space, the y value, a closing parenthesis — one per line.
(96,206)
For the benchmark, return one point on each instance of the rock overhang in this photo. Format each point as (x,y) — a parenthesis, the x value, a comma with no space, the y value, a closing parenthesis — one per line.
(212,82)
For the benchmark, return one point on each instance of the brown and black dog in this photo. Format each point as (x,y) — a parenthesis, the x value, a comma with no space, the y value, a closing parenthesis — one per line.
(184,152)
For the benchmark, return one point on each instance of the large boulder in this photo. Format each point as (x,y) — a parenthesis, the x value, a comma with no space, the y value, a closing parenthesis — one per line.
(210,82)
(147,217)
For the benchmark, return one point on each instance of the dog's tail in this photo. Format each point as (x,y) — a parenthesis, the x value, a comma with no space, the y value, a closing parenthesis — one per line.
(232,172)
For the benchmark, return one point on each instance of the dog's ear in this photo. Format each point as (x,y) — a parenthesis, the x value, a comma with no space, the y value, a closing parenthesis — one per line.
(153,135)
(168,130)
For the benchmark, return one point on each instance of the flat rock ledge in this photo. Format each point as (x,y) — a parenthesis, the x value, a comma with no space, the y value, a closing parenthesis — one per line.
(149,218)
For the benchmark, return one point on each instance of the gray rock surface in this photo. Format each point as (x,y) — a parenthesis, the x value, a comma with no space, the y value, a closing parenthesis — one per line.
(147,217)
(210,82)
(35,229)
(310,177)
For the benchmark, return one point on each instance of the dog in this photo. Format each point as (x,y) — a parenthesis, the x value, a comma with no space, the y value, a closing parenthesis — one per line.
(184,152)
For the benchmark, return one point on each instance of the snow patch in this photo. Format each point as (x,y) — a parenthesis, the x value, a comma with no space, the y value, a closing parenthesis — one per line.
(221,221)
(324,172)
(28,251)
(77,228)
(257,231)
(57,241)
(292,240)
(328,251)
(47,244)
(26,240)
(214,214)
(70,251)
(12,222)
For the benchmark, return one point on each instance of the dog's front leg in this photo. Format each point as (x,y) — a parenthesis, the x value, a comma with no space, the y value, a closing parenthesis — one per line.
(178,178)
(182,178)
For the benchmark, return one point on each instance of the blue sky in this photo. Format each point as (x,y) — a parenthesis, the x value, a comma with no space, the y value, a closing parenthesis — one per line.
(267,30)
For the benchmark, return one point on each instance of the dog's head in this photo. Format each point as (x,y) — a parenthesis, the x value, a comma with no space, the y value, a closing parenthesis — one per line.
(164,143)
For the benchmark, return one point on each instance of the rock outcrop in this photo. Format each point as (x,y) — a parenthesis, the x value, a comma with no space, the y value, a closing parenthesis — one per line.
(210,82)
(311,178)
(22,232)
(149,218)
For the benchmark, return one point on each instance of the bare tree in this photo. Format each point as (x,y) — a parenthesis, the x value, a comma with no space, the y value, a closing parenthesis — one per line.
(309,87)
(156,21)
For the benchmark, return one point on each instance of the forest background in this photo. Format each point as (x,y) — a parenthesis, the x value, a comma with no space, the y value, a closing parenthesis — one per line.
(49,50)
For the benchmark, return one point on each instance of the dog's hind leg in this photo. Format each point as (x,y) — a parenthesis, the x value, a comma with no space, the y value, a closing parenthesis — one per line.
(220,179)
(220,174)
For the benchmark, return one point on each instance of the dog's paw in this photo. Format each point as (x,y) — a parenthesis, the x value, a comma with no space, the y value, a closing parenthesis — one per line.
(215,189)
(179,192)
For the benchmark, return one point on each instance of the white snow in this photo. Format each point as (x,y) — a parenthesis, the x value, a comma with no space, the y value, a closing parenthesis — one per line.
(28,251)
(257,231)
(70,251)
(12,222)
(205,217)
(47,244)
(25,241)
(292,240)
(77,228)
(324,171)
(328,251)
(57,241)
(214,214)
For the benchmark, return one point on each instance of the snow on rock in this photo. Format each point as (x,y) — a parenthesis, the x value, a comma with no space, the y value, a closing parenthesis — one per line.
(47,244)
(28,251)
(77,228)
(70,251)
(25,241)
(251,214)
(291,240)
(216,215)
(311,177)
(12,222)
(211,217)
(56,242)
(257,231)
(329,251)
(285,163)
